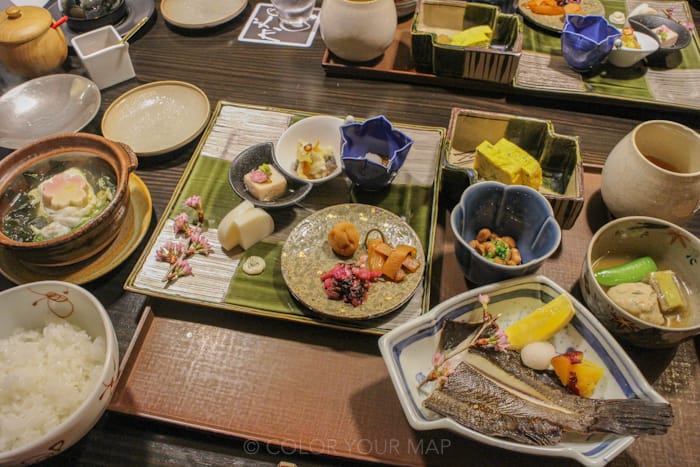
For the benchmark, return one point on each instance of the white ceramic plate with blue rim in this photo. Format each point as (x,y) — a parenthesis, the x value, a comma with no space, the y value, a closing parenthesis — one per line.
(408,349)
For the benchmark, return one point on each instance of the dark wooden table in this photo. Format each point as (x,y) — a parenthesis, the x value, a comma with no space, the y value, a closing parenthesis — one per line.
(288,77)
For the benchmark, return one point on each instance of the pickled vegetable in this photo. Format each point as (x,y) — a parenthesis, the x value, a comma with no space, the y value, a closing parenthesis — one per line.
(541,324)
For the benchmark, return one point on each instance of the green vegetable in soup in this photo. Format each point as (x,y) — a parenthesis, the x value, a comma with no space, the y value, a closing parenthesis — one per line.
(633,271)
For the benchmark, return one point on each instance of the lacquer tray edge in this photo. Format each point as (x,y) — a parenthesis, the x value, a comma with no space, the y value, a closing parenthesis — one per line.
(131,286)
(148,317)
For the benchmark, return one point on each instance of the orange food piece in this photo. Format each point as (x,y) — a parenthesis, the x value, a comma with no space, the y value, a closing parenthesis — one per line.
(375,260)
(545,7)
(393,263)
(578,375)
(411,264)
(573,9)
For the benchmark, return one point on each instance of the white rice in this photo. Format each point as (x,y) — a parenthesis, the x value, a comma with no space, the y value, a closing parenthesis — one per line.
(45,374)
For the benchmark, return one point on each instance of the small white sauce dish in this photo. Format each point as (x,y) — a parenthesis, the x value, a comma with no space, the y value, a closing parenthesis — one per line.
(322,128)
(624,57)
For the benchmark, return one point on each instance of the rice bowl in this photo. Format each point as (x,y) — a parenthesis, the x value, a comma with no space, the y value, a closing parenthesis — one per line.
(39,321)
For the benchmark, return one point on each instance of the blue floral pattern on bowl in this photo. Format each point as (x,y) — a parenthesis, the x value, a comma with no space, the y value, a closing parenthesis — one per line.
(586,41)
(375,136)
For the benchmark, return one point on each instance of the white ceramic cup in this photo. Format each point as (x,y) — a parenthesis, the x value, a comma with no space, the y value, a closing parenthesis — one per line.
(654,171)
(358,30)
(106,60)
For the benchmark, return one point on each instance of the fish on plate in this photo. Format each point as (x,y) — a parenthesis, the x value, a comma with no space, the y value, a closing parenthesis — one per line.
(491,391)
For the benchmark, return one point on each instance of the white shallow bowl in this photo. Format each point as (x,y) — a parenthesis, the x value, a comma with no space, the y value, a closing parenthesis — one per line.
(624,57)
(407,351)
(157,118)
(36,304)
(46,106)
(323,128)
(199,14)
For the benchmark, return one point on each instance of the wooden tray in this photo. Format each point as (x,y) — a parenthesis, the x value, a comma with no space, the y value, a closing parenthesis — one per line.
(216,281)
(303,388)
(543,71)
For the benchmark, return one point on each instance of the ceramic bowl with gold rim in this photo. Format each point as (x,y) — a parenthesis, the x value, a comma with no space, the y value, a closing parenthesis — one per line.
(63,198)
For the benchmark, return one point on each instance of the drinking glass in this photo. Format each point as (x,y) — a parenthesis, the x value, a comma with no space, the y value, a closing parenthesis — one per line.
(293,12)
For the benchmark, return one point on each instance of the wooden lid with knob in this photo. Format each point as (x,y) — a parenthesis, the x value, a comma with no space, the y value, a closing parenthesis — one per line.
(19,24)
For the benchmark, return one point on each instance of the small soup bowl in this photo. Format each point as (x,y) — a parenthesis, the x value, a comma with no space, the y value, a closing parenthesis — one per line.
(586,41)
(507,210)
(43,158)
(33,306)
(625,57)
(372,152)
(321,129)
(671,247)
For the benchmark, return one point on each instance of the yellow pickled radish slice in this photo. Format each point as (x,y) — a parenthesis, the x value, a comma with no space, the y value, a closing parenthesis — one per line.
(541,324)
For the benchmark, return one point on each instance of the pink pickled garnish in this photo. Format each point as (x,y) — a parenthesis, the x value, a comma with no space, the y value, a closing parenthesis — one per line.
(258,176)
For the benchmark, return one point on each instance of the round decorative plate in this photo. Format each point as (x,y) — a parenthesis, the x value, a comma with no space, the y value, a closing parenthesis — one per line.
(136,10)
(29,109)
(555,23)
(157,118)
(200,14)
(136,223)
(307,254)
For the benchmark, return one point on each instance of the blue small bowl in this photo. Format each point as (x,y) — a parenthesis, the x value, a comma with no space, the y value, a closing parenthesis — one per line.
(586,41)
(372,152)
(514,210)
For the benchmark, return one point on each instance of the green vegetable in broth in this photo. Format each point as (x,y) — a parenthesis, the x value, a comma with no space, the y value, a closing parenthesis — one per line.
(634,271)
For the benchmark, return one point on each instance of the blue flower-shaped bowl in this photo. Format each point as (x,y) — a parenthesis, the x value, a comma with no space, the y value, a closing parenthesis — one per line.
(372,152)
(513,210)
(586,41)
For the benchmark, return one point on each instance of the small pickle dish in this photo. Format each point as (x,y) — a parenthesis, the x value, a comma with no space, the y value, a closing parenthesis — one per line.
(558,156)
(466,40)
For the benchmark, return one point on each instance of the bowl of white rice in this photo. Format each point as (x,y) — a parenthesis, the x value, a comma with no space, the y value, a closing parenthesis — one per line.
(58,367)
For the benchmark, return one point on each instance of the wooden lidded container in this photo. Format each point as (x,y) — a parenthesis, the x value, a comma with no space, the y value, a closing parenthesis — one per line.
(29,46)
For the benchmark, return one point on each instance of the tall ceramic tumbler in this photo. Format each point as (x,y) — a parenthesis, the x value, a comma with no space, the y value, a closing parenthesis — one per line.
(654,171)
(358,30)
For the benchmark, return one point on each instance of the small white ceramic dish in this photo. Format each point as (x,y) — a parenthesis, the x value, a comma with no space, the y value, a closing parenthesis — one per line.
(407,351)
(200,14)
(36,305)
(157,118)
(322,128)
(624,57)
(46,106)
(104,56)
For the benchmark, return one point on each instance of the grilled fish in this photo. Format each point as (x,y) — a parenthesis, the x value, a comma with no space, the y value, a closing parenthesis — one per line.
(493,393)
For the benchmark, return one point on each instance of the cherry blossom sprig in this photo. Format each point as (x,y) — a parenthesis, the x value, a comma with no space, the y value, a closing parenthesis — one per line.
(176,253)
(443,365)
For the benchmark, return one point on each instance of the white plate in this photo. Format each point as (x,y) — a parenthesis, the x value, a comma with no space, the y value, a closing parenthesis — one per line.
(199,14)
(45,106)
(407,352)
(158,117)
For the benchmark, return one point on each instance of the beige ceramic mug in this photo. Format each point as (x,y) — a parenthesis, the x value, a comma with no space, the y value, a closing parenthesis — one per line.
(654,171)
